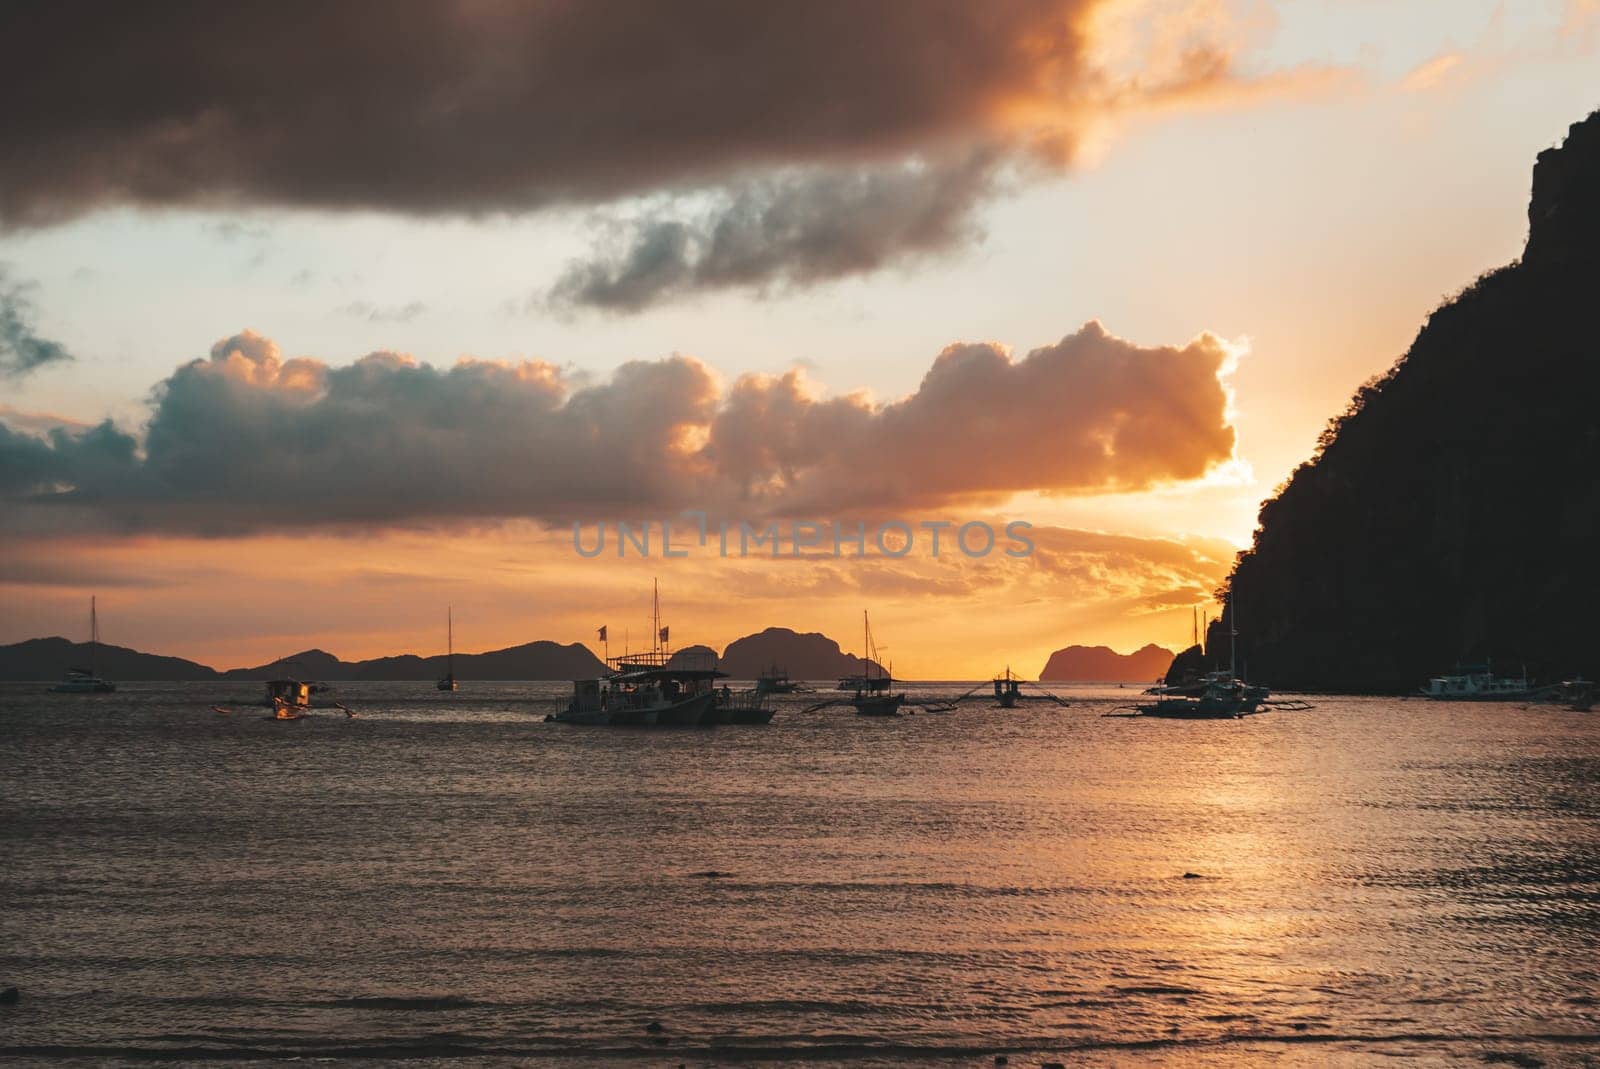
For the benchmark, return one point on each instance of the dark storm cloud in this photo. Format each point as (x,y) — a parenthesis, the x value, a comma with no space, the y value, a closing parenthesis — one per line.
(21,349)
(790,231)
(484,105)
(247,440)
(831,136)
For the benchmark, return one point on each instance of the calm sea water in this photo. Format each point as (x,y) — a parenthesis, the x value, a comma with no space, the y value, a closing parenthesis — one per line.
(449,880)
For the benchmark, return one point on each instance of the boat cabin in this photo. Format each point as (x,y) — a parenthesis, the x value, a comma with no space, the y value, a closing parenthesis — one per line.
(290,692)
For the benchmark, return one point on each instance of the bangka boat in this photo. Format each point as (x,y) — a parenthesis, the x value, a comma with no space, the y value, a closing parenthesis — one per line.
(1218,695)
(84,680)
(1478,683)
(1008,690)
(743,706)
(288,694)
(448,683)
(282,710)
(776,680)
(651,689)
(1223,699)
(872,693)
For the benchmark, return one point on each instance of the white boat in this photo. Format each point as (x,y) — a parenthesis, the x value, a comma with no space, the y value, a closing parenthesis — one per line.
(1478,683)
(84,680)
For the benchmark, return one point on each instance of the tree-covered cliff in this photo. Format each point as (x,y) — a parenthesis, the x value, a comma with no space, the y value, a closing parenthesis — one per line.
(1452,512)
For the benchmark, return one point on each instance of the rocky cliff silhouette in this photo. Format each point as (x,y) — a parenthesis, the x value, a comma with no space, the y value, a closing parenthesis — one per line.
(1452,512)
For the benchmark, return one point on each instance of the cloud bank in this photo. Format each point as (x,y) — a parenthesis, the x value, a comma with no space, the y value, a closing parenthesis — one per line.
(247,440)
(831,136)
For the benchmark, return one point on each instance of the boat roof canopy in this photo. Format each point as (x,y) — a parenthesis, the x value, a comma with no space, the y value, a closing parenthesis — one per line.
(639,673)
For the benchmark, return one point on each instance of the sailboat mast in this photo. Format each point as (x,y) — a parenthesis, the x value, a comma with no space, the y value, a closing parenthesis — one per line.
(450,639)
(94,632)
(1233,642)
(655,614)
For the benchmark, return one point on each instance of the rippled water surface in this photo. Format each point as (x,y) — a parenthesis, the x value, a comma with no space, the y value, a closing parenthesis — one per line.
(450,880)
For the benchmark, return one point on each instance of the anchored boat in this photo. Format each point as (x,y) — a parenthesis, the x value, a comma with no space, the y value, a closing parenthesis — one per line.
(776,680)
(84,680)
(1008,690)
(1478,683)
(872,691)
(660,689)
(1215,696)
(449,681)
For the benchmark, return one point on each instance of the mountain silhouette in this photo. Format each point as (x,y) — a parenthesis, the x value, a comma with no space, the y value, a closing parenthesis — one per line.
(1451,513)
(804,656)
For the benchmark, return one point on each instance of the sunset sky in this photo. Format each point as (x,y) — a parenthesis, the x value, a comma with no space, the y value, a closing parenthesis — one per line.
(313,323)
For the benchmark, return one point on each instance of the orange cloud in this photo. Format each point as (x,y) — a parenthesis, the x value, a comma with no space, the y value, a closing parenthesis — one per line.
(246,440)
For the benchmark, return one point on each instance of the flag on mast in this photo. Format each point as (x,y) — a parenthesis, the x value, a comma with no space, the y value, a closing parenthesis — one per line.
(602,634)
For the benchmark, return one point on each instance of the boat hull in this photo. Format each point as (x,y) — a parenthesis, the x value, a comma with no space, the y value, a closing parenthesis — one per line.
(689,712)
(878,704)
(84,686)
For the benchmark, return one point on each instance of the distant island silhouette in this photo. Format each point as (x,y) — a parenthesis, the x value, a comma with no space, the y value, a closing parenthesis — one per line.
(1450,513)
(803,656)
(49,658)
(1101,664)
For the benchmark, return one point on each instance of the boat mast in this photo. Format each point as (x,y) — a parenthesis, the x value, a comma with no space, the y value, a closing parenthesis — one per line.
(1233,640)
(94,632)
(450,640)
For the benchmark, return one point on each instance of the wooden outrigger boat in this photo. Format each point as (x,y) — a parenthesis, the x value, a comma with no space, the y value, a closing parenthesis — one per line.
(1008,690)
(660,689)
(1216,696)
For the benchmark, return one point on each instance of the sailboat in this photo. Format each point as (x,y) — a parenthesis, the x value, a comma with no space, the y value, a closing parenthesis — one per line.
(84,680)
(872,695)
(449,680)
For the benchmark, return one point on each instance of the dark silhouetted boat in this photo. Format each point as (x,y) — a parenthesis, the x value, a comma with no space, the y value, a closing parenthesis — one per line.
(449,680)
(873,696)
(1215,696)
(650,689)
(776,680)
(1008,690)
(84,680)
